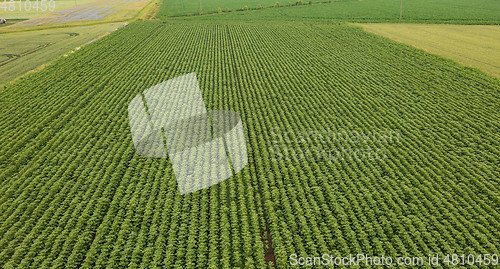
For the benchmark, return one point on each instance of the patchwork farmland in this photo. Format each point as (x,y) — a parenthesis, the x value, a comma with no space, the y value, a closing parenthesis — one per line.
(356,144)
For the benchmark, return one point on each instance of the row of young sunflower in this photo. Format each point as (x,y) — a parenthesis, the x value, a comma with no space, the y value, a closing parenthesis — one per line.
(81,196)
(75,193)
(419,199)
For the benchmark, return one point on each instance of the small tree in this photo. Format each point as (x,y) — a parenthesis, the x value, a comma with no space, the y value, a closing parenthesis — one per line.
(277,4)
(219,10)
(245,7)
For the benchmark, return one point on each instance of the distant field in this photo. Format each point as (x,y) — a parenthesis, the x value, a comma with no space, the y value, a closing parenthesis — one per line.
(472,45)
(23,14)
(22,52)
(88,13)
(189,7)
(422,11)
